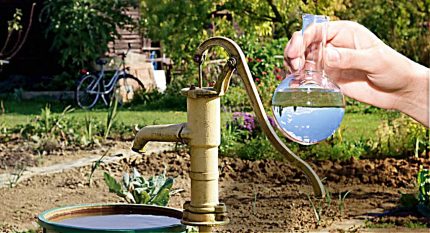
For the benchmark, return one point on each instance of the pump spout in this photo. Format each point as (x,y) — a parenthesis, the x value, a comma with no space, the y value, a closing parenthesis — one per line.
(160,133)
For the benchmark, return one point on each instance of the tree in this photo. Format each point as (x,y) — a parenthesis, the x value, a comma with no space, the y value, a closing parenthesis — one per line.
(81,29)
(402,24)
(183,24)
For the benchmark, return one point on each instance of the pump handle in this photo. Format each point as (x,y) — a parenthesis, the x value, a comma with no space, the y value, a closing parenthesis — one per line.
(237,62)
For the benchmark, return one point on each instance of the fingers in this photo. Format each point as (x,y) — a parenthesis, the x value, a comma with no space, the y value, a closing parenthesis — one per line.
(341,34)
(293,54)
(344,58)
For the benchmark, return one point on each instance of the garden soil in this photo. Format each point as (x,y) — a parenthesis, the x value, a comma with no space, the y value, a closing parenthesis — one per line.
(261,196)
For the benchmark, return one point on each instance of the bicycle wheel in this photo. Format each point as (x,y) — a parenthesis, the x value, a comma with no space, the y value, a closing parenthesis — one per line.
(87,92)
(127,88)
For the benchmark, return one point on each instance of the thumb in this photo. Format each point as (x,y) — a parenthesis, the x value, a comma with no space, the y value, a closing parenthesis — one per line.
(344,58)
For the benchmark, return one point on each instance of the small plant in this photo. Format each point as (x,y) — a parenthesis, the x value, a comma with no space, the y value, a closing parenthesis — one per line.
(421,200)
(136,189)
(89,138)
(111,116)
(316,208)
(424,192)
(320,206)
(49,129)
(342,202)
(94,166)
(16,175)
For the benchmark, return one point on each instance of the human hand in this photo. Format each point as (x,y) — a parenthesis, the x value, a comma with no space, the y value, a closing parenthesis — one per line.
(365,68)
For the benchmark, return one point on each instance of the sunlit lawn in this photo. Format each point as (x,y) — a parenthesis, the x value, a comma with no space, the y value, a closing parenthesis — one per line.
(354,125)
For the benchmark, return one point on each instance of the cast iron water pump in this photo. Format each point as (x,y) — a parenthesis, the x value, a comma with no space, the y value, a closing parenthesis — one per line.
(202,132)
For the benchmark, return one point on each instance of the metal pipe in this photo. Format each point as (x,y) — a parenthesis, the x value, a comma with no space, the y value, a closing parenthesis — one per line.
(205,229)
(160,133)
(204,123)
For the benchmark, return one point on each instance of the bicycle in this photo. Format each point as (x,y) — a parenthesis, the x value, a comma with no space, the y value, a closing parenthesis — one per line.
(122,84)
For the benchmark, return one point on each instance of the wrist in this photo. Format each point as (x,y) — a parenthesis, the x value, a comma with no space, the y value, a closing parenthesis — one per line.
(414,100)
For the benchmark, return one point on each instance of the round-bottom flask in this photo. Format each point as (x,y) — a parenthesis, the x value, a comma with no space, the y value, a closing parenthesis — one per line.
(307,106)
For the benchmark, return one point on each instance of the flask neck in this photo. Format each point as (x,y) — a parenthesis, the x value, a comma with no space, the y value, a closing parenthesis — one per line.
(314,53)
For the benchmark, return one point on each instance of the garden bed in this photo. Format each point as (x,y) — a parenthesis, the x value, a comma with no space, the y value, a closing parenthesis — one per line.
(261,195)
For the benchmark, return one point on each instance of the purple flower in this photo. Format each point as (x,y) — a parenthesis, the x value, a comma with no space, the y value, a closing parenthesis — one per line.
(244,121)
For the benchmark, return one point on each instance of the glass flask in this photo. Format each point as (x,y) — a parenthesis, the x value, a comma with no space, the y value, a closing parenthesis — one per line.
(307,106)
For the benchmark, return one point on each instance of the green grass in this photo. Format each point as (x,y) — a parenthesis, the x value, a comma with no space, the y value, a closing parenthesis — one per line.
(354,125)
(415,225)
(358,125)
(380,225)
(23,111)
(409,224)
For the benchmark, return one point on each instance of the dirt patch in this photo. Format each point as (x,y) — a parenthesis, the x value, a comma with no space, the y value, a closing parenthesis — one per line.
(261,195)
(389,172)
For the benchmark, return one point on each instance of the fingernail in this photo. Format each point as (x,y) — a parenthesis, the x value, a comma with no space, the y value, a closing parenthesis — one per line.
(332,54)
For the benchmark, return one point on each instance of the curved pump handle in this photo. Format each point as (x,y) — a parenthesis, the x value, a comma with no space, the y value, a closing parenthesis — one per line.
(237,62)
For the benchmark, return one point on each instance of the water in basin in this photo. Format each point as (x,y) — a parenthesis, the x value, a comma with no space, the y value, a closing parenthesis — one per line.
(120,221)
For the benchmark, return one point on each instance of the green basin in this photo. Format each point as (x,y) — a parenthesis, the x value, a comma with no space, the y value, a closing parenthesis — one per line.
(124,218)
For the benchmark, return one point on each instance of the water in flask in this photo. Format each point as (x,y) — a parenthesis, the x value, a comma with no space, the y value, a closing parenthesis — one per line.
(308,115)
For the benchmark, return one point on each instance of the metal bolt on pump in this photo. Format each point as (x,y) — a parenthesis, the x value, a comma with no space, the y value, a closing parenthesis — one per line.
(202,132)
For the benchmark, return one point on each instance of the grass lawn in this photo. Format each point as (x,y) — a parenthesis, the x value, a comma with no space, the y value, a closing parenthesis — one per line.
(354,125)
(358,125)
(23,111)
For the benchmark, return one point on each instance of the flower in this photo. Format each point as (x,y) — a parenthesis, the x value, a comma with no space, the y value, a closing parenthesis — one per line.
(264,73)
(259,60)
(257,79)
(278,77)
(250,59)
(244,121)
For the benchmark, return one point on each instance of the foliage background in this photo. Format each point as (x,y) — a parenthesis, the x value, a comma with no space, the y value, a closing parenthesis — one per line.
(81,29)
(183,24)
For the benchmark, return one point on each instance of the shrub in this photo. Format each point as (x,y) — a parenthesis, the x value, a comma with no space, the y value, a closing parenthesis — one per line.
(402,24)
(400,137)
(51,131)
(257,148)
(81,30)
(171,99)
(354,106)
(419,201)
(395,137)
(265,62)
(244,138)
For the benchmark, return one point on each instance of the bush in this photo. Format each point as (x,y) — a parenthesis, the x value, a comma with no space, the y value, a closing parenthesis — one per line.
(400,137)
(171,99)
(265,62)
(397,136)
(81,29)
(243,137)
(52,131)
(354,106)
(402,24)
